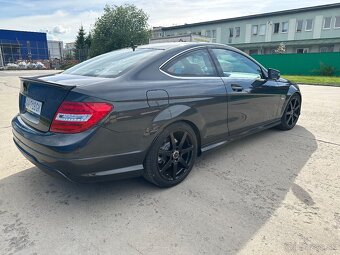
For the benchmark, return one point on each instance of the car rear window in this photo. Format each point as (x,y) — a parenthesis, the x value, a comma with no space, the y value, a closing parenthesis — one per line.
(111,64)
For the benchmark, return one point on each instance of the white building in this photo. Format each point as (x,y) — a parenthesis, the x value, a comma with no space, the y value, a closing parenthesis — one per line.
(55,49)
(303,30)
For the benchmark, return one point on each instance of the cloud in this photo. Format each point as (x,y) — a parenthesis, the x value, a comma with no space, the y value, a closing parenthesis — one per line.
(60,25)
(59,30)
(55,32)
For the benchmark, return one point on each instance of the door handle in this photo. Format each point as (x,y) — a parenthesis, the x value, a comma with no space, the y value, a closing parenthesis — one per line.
(236,88)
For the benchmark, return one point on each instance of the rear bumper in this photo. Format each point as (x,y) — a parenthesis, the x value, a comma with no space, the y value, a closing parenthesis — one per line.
(77,157)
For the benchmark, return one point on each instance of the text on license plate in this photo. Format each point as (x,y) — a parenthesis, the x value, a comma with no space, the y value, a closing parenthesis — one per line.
(33,105)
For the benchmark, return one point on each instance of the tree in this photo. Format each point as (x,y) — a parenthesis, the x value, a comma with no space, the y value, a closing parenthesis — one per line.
(88,40)
(81,49)
(119,27)
(281,49)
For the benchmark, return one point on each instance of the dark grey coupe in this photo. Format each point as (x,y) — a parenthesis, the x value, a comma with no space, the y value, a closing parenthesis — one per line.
(148,111)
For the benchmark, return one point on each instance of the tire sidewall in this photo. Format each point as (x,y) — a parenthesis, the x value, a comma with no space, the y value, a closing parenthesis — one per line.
(284,125)
(151,162)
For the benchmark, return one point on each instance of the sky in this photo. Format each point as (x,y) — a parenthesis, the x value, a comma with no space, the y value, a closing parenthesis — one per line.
(61,19)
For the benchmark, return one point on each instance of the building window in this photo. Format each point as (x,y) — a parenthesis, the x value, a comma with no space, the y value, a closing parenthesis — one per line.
(284,27)
(262,29)
(237,31)
(302,50)
(208,33)
(326,49)
(231,32)
(253,52)
(213,32)
(327,22)
(254,29)
(299,25)
(309,24)
(337,22)
(276,28)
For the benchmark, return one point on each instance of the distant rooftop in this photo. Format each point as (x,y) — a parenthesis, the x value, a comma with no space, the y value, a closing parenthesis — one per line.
(23,35)
(268,14)
(19,31)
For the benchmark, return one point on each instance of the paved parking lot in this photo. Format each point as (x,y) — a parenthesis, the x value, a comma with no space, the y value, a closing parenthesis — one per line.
(272,193)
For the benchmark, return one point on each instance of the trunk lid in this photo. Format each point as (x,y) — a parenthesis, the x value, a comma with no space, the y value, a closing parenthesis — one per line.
(40,97)
(39,100)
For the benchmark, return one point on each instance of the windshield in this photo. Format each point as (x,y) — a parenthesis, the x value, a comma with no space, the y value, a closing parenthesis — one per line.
(111,64)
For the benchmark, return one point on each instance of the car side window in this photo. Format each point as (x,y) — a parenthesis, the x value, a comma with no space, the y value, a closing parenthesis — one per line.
(193,64)
(236,65)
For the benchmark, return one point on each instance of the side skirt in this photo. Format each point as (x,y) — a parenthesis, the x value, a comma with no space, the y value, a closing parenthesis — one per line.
(230,139)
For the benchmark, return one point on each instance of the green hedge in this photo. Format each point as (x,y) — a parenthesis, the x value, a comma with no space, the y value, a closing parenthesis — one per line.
(301,64)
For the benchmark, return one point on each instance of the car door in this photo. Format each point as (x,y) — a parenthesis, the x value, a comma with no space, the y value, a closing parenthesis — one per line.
(195,85)
(252,99)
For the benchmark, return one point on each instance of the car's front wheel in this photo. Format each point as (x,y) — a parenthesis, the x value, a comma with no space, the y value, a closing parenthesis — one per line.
(172,155)
(291,113)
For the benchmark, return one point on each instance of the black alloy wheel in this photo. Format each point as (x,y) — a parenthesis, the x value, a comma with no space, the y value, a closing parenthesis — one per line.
(172,156)
(291,114)
(175,155)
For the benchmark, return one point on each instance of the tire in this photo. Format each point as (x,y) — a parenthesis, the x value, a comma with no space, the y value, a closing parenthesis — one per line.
(291,113)
(172,155)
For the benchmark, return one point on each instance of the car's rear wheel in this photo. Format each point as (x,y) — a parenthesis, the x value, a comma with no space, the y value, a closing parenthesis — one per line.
(172,155)
(291,113)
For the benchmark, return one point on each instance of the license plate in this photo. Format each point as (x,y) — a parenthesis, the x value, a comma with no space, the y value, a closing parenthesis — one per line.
(32,105)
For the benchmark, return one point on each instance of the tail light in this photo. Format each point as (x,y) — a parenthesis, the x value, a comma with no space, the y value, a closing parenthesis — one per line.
(75,117)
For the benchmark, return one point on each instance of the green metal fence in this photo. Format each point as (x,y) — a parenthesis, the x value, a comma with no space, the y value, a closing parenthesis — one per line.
(301,64)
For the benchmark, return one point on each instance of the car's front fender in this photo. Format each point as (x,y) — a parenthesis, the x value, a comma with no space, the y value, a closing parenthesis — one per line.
(293,89)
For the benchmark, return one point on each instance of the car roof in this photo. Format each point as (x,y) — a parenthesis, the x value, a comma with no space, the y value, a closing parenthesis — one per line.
(182,45)
(167,45)
(178,47)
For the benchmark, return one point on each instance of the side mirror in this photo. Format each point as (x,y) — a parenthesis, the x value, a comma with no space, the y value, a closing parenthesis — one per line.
(273,74)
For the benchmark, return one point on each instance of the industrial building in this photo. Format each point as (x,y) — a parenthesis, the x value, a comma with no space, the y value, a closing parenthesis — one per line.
(55,49)
(22,45)
(304,30)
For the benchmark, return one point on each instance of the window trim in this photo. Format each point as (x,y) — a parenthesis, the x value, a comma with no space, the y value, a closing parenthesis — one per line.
(239,32)
(212,33)
(252,30)
(303,49)
(328,47)
(231,32)
(184,52)
(296,29)
(324,22)
(336,17)
(278,29)
(283,22)
(265,29)
(307,30)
